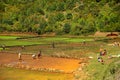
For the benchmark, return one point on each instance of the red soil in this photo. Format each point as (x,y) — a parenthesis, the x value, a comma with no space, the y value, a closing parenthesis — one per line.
(66,65)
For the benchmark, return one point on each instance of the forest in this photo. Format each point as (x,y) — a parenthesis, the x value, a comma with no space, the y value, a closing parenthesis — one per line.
(75,17)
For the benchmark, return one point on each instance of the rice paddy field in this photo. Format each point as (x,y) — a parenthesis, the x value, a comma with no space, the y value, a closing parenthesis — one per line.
(12,40)
(86,48)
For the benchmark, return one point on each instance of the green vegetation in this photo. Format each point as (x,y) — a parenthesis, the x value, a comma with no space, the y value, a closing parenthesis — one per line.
(63,39)
(78,40)
(107,71)
(76,17)
(18,42)
(62,17)
(8,37)
(15,41)
(18,74)
(1,49)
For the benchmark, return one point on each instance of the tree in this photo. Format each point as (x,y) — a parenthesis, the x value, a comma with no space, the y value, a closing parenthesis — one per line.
(66,28)
(52,7)
(61,6)
(59,17)
(42,27)
(69,16)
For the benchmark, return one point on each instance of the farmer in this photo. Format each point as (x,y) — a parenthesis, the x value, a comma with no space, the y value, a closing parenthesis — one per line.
(104,52)
(118,44)
(101,50)
(23,47)
(34,56)
(39,54)
(100,59)
(19,56)
(102,62)
(84,42)
(53,45)
(3,46)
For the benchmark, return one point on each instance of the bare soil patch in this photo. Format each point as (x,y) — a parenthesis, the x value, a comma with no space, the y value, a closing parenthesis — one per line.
(63,64)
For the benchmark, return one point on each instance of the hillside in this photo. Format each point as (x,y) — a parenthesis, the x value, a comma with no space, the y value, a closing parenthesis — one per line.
(76,17)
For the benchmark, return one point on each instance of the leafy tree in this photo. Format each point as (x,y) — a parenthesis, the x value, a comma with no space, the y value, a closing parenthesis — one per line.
(52,7)
(76,17)
(61,6)
(70,4)
(76,29)
(59,17)
(41,11)
(42,27)
(48,29)
(66,28)
(2,7)
(52,19)
(69,16)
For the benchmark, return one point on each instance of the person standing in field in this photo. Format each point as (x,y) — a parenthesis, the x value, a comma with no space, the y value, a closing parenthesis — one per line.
(3,46)
(101,51)
(39,54)
(23,47)
(19,56)
(84,42)
(53,45)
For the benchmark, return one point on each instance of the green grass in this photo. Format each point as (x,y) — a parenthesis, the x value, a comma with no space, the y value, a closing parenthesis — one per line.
(8,37)
(12,41)
(19,74)
(54,38)
(62,39)
(78,40)
(19,42)
(97,71)
(1,48)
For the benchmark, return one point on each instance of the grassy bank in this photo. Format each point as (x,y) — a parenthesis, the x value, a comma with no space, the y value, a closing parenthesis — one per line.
(110,70)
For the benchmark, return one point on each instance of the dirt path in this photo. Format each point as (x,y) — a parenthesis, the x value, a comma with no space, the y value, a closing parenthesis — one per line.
(62,64)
